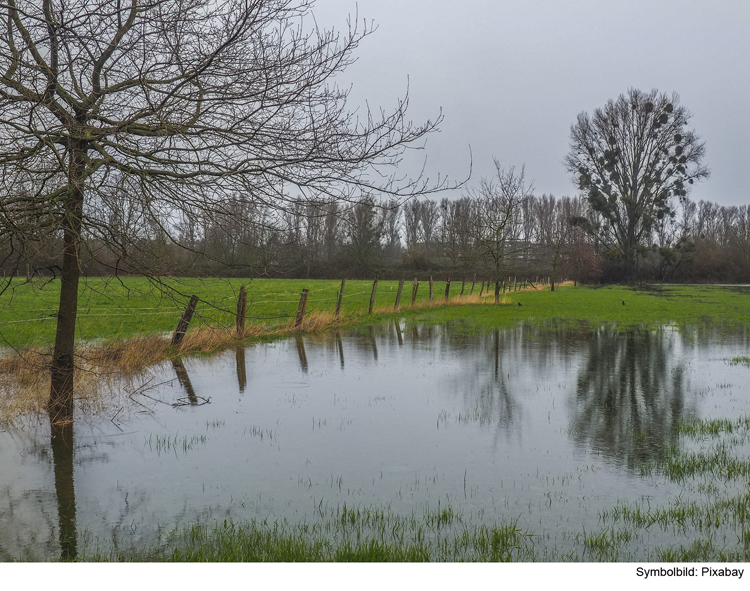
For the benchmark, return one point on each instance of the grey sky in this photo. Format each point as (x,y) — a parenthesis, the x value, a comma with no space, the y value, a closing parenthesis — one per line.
(511,76)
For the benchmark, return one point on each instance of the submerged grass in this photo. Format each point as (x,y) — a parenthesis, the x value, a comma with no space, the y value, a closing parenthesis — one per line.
(709,521)
(713,509)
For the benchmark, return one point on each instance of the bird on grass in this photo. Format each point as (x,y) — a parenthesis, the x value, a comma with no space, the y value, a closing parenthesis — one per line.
(520,304)
(623,302)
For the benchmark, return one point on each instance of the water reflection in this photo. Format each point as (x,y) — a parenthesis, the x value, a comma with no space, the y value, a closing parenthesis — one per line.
(61,443)
(239,355)
(373,344)
(398,333)
(184,379)
(516,409)
(630,394)
(340,347)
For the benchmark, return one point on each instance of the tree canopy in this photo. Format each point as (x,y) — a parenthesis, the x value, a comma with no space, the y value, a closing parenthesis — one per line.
(631,159)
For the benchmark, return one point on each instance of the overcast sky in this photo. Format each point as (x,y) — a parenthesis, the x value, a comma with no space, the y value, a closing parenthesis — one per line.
(512,75)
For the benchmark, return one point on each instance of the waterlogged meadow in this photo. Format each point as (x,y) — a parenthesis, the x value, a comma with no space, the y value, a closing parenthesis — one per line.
(402,441)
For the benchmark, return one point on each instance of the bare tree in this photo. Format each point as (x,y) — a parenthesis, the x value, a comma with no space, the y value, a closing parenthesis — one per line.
(181,103)
(363,231)
(429,218)
(499,216)
(554,228)
(458,224)
(411,224)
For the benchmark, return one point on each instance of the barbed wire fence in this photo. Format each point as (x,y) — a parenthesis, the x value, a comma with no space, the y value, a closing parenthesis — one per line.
(262,307)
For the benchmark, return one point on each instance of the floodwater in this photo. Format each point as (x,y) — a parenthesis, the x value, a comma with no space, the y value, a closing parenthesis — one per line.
(545,426)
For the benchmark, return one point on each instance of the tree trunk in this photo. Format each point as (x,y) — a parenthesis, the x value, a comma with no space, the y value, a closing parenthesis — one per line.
(63,368)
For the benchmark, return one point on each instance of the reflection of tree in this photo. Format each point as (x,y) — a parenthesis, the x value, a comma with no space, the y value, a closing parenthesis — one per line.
(486,360)
(61,442)
(629,396)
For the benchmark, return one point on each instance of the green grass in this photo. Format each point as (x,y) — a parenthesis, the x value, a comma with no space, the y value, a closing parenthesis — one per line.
(345,535)
(113,310)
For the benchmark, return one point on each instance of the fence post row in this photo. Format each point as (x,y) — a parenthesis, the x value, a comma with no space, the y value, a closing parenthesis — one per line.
(301,307)
(341,298)
(414,288)
(241,311)
(398,294)
(182,325)
(372,295)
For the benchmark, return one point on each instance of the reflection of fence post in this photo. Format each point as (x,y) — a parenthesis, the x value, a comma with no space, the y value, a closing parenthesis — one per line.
(414,288)
(497,291)
(301,307)
(341,298)
(241,310)
(182,325)
(301,352)
(372,295)
(398,294)
(239,355)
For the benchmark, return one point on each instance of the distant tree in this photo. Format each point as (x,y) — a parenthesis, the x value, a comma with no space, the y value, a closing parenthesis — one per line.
(458,223)
(630,160)
(182,103)
(392,230)
(555,231)
(499,206)
(364,227)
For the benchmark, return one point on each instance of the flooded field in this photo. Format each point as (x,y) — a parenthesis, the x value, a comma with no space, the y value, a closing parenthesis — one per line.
(552,429)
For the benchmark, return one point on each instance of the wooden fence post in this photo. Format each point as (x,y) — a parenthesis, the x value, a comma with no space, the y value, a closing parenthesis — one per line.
(341,298)
(372,295)
(447,288)
(497,291)
(414,288)
(301,307)
(463,284)
(473,282)
(398,294)
(182,325)
(241,311)
(430,287)
(481,291)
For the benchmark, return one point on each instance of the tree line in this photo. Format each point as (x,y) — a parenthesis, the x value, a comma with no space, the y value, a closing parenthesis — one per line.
(496,229)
